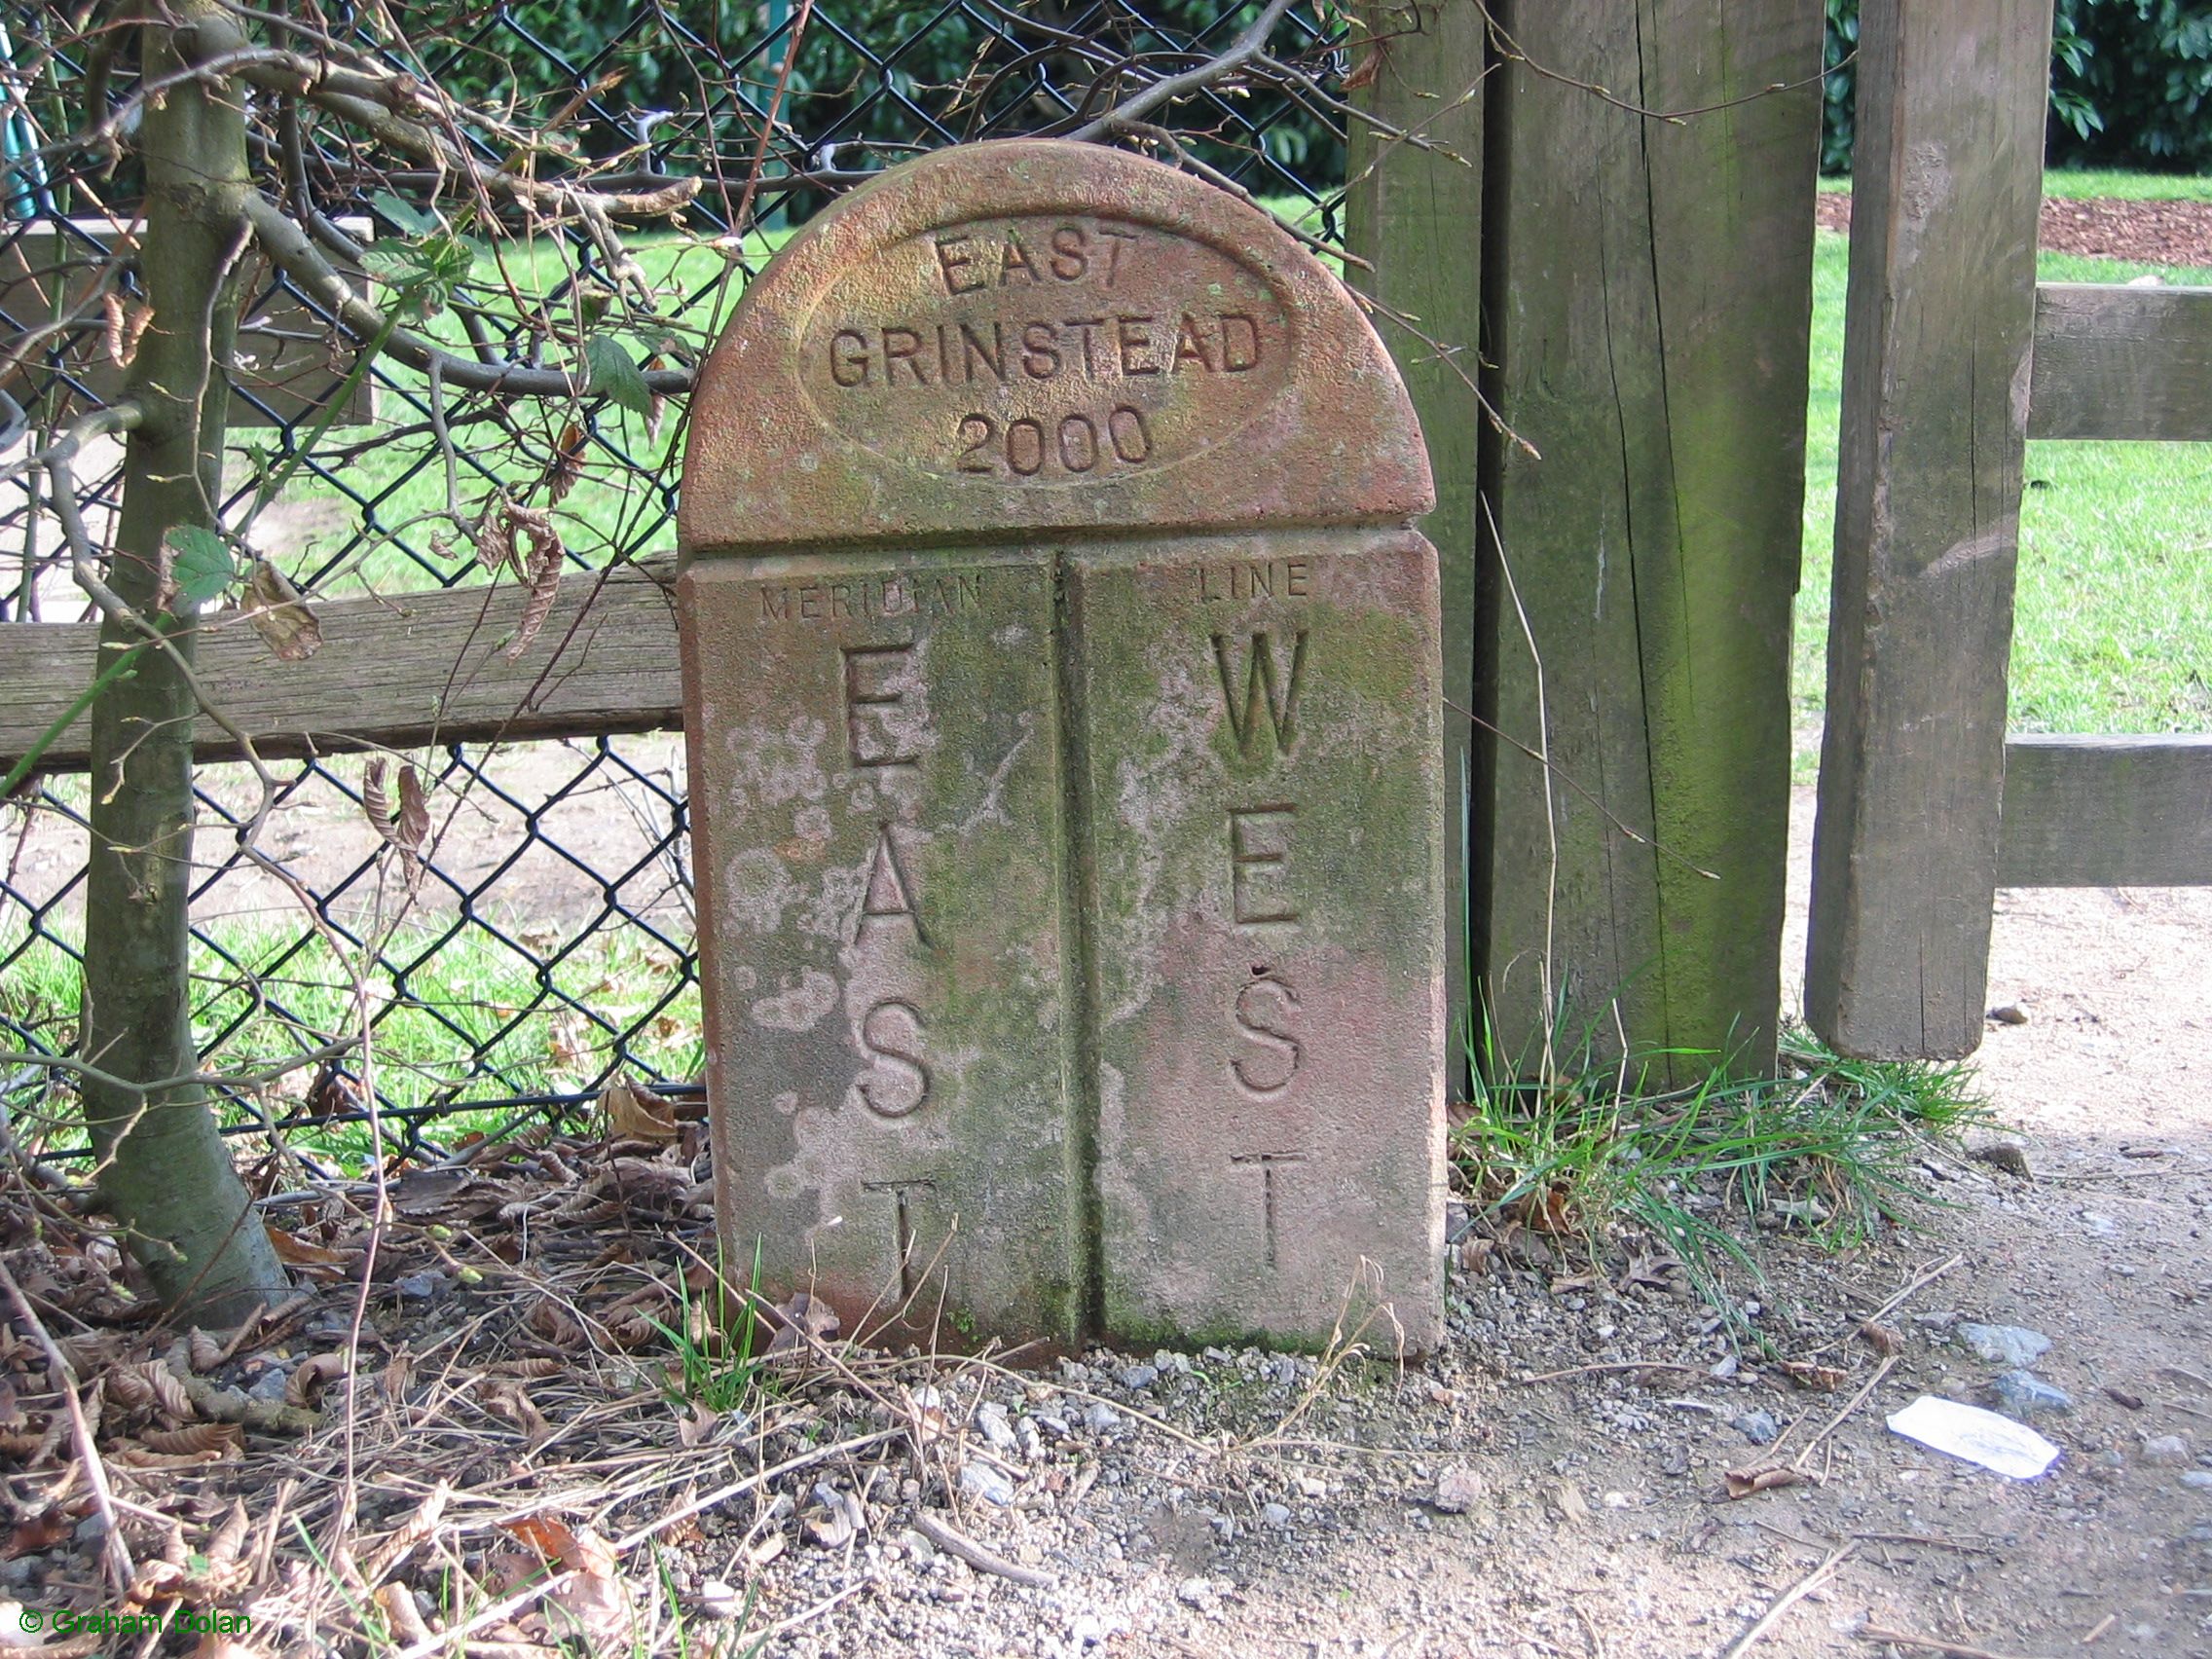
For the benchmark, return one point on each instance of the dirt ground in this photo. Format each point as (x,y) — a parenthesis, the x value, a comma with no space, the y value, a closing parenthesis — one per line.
(2154,233)
(1602,1525)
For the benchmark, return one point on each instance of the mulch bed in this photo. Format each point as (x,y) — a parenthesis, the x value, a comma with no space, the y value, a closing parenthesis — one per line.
(2149,233)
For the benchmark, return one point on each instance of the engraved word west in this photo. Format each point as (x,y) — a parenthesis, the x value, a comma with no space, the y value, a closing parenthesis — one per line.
(1064,729)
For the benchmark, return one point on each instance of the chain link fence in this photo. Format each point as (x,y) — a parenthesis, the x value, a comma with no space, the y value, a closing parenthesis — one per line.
(541,942)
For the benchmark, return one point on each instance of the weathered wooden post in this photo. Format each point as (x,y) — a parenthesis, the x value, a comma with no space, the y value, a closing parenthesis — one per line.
(1063,715)
(1939,337)
(1414,212)
(1648,290)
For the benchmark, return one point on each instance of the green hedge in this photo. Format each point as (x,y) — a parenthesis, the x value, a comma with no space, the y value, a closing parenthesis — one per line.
(2130,84)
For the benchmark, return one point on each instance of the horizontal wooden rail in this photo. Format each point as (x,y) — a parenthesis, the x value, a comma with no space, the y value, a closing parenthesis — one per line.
(2078,811)
(2107,812)
(2121,362)
(415,668)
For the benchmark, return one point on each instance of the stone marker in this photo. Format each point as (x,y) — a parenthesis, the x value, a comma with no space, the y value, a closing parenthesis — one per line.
(1063,717)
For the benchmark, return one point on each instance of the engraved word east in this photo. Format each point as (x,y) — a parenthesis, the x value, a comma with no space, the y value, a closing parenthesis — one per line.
(1046,351)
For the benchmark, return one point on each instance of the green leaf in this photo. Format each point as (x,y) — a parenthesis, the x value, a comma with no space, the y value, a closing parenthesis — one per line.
(200,564)
(389,261)
(614,376)
(408,217)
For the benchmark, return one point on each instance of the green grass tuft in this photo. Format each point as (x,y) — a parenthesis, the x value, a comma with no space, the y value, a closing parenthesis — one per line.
(1827,1145)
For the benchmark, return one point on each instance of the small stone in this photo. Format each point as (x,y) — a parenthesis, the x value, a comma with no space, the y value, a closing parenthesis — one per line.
(1196,1592)
(2197,1480)
(719,1601)
(268,1388)
(1758,1428)
(1101,1418)
(1279,1515)
(2023,1394)
(2168,1451)
(419,1286)
(2013,1347)
(2009,1014)
(1457,1490)
(991,1423)
(977,1479)
(1136,1376)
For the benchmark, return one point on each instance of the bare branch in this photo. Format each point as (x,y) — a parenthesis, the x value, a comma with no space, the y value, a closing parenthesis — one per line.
(1241,53)
(288,247)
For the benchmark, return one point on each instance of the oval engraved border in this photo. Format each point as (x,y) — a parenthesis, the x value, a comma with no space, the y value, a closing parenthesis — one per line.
(1282,375)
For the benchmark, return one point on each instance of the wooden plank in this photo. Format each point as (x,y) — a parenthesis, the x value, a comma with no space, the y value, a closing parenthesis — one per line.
(2107,812)
(1651,289)
(284,369)
(397,672)
(2121,362)
(1414,214)
(1939,327)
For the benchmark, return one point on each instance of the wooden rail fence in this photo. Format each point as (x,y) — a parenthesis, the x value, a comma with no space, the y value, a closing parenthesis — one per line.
(1640,287)
(1953,357)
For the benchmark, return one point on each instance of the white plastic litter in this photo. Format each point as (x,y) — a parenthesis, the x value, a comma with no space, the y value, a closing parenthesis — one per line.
(1996,1443)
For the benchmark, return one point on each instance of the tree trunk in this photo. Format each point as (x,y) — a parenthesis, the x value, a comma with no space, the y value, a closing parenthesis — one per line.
(163,1168)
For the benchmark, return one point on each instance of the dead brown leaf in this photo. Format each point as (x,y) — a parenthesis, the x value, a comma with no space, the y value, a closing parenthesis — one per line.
(280,616)
(297,1252)
(567,466)
(510,1400)
(406,1619)
(543,575)
(635,1112)
(1743,1483)
(308,1378)
(556,1324)
(40,1533)
(127,322)
(410,1535)
(1654,1269)
(148,1386)
(426,1191)
(1883,1339)
(195,1438)
(594,1603)
(412,827)
(1810,1373)
(133,1457)
(802,1314)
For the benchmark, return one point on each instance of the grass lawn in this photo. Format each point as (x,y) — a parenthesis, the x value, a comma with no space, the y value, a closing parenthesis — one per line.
(449,1000)
(2115,601)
